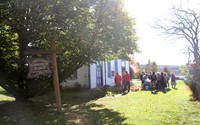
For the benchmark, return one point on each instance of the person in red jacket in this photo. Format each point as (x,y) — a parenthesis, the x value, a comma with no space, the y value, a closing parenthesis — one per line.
(118,80)
(127,78)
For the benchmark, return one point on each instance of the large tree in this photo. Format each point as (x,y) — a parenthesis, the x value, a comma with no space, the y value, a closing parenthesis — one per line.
(84,30)
(185,25)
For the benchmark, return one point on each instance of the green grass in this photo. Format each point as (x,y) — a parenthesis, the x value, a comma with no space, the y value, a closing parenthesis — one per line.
(174,107)
(5,96)
(144,108)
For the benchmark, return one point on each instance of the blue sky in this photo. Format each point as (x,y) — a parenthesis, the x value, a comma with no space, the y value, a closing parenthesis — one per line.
(154,46)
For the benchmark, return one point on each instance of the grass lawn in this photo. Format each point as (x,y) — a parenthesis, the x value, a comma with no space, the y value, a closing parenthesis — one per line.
(5,96)
(174,107)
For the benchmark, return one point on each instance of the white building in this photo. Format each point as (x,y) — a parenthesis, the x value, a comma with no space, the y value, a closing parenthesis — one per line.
(99,74)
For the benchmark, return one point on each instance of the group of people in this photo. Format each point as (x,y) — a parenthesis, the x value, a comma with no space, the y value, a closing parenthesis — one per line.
(122,83)
(151,81)
(159,81)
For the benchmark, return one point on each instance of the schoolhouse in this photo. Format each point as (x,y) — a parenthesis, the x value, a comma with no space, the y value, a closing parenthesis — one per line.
(99,74)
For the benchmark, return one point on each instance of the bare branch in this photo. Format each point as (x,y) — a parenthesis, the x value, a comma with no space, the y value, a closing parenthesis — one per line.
(184,24)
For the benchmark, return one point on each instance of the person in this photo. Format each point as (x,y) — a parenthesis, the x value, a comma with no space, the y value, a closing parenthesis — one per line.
(142,78)
(168,77)
(127,81)
(149,75)
(163,81)
(147,82)
(158,84)
(118,80)
(173,81)
(153,80)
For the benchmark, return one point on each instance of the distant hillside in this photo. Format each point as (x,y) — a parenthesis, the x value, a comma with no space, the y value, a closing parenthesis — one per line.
(173,68)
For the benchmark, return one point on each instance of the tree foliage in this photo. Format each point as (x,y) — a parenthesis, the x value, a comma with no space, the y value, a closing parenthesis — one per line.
(166,70)
(154,67)
(84,30)
(151,66)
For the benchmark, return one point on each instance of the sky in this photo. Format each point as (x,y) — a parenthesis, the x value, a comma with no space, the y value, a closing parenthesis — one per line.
(154,46)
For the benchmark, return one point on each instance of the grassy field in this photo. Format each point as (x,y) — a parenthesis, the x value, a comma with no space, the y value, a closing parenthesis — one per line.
(175,107)
(4,96)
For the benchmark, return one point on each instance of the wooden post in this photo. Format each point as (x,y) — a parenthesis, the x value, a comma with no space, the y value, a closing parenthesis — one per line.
(55,77)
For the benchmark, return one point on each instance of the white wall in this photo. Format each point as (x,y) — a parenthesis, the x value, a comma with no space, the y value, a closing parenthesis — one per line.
(85,80)
(110,81)
(82,78)
(93,75)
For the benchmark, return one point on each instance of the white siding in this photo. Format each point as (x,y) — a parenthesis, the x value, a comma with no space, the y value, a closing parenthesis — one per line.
(93,76)
(82,77)
(85,80)
(110,81)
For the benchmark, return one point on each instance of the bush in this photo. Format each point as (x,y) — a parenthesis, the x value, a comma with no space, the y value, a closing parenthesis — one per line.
(72,87)
(38,87)
(195,87)
(110,93)
(193,82)
(77,86)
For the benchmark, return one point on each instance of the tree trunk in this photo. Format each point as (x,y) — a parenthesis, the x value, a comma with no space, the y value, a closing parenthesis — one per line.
(21,83)
(196,54)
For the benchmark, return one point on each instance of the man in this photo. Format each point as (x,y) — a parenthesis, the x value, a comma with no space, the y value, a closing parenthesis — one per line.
(163,81)
(118,80)
(142,78)
(153,80)
(127,81)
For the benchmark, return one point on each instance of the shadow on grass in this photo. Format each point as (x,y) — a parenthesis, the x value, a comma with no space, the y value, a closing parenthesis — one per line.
(92,114)
(78,109)
(4,92)
(159,90)
(81,104)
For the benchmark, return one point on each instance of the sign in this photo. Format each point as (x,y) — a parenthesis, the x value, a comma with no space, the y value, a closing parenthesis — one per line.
(38,66)
(133,64)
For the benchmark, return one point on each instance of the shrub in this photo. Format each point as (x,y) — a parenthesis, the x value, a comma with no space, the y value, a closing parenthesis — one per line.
(72,87)
(77,86)
(193,81)
(195,87)
(110,93)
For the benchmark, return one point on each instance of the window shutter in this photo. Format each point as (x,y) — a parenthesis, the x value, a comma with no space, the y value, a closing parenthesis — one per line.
(109,70)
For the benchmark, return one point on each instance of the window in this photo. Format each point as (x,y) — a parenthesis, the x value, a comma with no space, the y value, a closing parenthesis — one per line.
(111,69)
(123,64)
